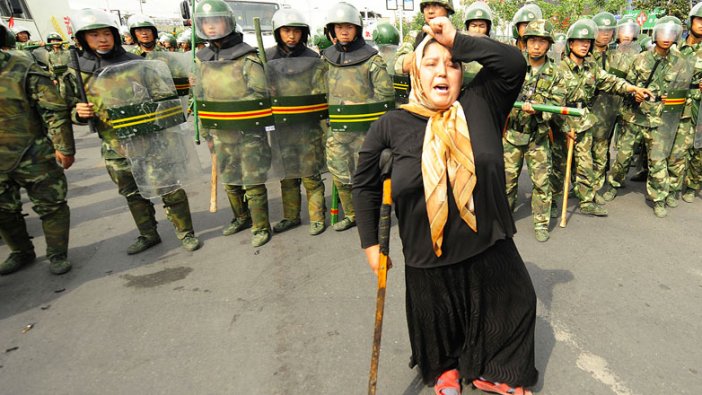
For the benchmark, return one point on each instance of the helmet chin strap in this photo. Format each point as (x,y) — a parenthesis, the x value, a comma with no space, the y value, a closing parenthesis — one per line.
(149,45)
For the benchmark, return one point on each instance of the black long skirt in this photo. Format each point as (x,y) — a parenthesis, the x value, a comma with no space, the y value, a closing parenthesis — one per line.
(476,316)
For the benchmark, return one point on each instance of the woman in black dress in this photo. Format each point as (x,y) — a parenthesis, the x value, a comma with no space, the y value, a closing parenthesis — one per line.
(471,306)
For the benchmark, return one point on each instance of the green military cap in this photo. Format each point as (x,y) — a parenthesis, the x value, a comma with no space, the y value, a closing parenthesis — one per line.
(386,34)
(214,9)
(559,38)
(668,25)
(444,3)
(479,11)
(582,29)
(605,21)
(344,13)
(539,28)
(525,14)
(291,18)
(92,19)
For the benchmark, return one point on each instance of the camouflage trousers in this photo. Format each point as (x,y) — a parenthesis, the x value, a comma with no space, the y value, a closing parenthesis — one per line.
(342,154)
(301,150)
(627,141)
(658,181)
(559,153)
(680,155)
(693,178)
(250,201)
(243,158)
(600,155)
(538,159)
(175,203)
(582,165)
(46,185)
(292,201)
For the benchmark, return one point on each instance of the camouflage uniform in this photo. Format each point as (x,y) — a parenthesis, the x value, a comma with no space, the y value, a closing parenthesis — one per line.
(602,129)
(643,121)
(118,167)
(294,74)
(577,86)
(527,139)
(58,63)
(139,50)
(35,123)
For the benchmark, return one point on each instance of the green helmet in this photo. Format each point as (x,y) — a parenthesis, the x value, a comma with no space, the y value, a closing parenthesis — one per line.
(582,29)
(539,28)
(386,34)
(91,19)
(19,29)
(290,18)
(214,9)
(605,21)
(525,14)
(344,13)
(444,3)
(169,38)
(559,38)
(53,36)
(479,11)
(321,40)
(695,12)
(138,21)
(668,27)
(627,25)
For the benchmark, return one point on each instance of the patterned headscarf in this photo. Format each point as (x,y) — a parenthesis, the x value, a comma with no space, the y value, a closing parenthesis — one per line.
(447,155)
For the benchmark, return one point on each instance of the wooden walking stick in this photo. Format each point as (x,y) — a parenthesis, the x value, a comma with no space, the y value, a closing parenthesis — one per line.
(384,241)
(213,184)
(566,182)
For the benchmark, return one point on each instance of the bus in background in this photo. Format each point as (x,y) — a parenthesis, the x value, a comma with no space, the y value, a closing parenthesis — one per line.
(40,17)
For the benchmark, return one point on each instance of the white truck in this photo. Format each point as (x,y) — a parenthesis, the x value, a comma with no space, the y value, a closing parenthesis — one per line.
(245,11)
(40,17)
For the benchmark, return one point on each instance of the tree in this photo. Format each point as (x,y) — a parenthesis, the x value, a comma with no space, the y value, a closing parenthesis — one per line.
(678,8)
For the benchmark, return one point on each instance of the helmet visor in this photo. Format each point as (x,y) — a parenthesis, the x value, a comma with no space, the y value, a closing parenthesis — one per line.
(667,32)
(214,26)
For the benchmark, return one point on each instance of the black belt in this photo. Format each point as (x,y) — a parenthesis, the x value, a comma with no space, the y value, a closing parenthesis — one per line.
(695,86)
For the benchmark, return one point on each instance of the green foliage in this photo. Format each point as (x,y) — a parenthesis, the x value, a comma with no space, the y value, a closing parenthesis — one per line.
(678,8)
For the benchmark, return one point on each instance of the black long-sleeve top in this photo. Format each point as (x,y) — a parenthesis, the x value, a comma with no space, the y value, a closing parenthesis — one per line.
(486,102)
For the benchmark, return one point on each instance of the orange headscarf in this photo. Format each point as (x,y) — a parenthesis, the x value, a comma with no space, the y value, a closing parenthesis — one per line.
(446,154)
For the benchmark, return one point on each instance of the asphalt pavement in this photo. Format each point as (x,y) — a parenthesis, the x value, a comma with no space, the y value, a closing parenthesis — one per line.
(619,303)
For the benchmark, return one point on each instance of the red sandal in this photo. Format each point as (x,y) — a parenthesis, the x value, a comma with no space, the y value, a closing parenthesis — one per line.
(448,383)
(499,388)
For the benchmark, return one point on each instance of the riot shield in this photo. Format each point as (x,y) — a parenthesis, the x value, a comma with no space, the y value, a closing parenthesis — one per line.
(621,58)
(698,129)
(236,111)
(141,105)
(680,76)
(298,93)
(179,64)
(41,56)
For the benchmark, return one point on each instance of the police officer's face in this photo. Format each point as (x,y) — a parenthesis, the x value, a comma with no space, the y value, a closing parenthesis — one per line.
(23,37)
(214,26)
(604,36)
(579,47)
(696,26)
(625,35)
(290,35)
(537,47)
(478,27)
(433,10)
(345,32)
(100,40)
(144,34)
(440,76)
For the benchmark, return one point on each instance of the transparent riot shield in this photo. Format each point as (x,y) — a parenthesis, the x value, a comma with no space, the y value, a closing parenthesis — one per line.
(698,129)
(179,64)
(235,109)
(298,93)
(352,109)
(141,104)
(680,76)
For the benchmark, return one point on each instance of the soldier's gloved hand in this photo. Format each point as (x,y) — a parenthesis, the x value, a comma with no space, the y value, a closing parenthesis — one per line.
(85,110)
(65,161)
(527,108)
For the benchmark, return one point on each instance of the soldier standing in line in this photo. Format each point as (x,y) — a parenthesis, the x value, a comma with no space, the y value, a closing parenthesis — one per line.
(58,57)
(359,91)
(693,179)
(22,37)
(580,78)
(169,42)
(99,37)
(654,69)
(478,21)
(527,131)
(236,115)
(681,155)
(184,41)
(36,134)
(296,79)
(387,38)
(144,34)
(604,105)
